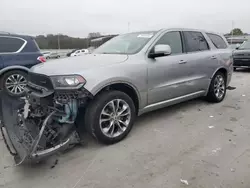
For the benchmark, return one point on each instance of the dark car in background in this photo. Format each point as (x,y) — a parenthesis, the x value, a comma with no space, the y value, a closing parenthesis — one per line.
(69,54)
(241,56)
(18,53)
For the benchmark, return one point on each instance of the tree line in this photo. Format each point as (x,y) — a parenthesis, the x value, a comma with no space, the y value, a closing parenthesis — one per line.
(61,41)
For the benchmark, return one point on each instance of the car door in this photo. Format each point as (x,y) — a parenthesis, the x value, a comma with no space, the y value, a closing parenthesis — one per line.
(10,49)
(200,59)
(168,75)
(1,62)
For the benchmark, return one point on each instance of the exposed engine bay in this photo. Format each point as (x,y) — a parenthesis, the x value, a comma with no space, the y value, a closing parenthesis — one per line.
(41,123)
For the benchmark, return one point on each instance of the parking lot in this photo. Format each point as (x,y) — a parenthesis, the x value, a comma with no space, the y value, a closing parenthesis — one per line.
(205,145)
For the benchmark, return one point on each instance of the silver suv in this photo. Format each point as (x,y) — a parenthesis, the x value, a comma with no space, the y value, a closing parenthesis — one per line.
(129,75)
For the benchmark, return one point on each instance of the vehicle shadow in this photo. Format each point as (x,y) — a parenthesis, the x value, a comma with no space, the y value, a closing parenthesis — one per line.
(243,70)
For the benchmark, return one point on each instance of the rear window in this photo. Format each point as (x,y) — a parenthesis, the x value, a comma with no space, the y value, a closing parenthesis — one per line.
(217,41)
(10,44)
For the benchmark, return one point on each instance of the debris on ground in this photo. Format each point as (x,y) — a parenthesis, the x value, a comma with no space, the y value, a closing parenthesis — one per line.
(232,169)
(211,116)
(231,88)
(233,119)
(210,127)
(55,163)
(184,181)
(199,109)
(5,167)
(229,130)
(216,150)
(243,95)
(230,140)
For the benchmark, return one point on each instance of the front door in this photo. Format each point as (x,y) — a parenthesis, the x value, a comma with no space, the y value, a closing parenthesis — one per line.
(168,75)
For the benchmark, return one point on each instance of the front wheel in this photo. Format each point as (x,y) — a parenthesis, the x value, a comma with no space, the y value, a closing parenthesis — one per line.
(110,117)
(14,83)
(217,88)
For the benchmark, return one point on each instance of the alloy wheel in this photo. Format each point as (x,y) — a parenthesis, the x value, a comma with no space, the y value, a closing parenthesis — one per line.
(219,86)
(15,84)
(115,118)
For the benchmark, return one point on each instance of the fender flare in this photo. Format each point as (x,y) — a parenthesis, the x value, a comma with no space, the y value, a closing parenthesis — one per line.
(214,74)
(119,82)
(15,67)
(218,70)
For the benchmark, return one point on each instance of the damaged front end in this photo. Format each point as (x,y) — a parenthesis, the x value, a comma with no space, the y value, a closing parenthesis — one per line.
(43,122)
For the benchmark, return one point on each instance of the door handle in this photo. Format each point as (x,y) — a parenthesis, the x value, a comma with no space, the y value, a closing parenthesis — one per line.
(213,57)
(182,62)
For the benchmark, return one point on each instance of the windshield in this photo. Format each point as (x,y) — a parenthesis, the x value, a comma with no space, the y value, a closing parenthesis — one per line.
(125,44)
(245,45)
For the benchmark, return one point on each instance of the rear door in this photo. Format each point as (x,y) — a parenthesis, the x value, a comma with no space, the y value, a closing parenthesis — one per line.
(17,51)
(201,60)
(10,47)
(1,62)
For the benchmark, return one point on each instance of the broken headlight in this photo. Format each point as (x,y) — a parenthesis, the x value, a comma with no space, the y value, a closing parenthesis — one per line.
(68,81)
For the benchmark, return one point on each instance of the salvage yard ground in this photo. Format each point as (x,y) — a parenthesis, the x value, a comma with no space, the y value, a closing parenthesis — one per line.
(194,144)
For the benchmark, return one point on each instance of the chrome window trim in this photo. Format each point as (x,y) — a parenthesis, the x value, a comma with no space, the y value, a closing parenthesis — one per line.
(19,50)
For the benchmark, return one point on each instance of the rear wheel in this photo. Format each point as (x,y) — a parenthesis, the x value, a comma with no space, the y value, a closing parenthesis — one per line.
(14,83)
(217,89)
(235,68)
(110,117)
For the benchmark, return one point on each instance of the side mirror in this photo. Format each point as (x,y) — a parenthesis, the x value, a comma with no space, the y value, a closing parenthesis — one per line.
(160,50)
(237,46)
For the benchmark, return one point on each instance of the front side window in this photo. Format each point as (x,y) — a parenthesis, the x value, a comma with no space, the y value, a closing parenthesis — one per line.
(217,41)
(130,43)
(173,39)
(10,45)
(195,41)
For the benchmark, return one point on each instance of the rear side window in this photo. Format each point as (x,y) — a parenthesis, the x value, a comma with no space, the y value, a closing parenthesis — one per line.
(10,45)
(217,41)
(195,41)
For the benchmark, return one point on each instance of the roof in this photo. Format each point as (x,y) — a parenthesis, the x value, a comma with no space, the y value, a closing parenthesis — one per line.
(3,33)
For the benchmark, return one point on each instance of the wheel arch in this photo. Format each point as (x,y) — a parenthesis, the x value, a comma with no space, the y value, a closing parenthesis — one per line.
(125,87)
(220,69)
(12,68)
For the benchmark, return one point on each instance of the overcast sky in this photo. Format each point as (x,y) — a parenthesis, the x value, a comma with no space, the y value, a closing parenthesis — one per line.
(79,17)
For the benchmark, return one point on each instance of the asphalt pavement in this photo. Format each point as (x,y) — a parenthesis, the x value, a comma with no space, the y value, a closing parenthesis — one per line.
(194,144)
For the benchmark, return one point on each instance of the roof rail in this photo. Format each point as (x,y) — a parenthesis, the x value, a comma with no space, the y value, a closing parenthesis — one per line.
(4,32)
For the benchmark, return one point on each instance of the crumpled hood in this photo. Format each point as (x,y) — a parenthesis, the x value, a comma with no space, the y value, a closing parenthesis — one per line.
(75,65)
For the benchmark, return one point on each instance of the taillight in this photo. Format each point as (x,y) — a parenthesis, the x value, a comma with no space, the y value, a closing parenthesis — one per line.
(41,59)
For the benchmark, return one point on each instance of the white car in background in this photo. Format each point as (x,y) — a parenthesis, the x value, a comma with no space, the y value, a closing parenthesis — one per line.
(80,52)
(46,54)
(51,55)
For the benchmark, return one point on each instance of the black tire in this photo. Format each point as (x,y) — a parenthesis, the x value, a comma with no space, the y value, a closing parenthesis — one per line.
(6,76)
(93,113)
(211,96)
(235,68)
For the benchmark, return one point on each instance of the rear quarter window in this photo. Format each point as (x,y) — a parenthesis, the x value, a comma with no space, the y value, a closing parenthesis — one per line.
(217,40)
(10,44)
